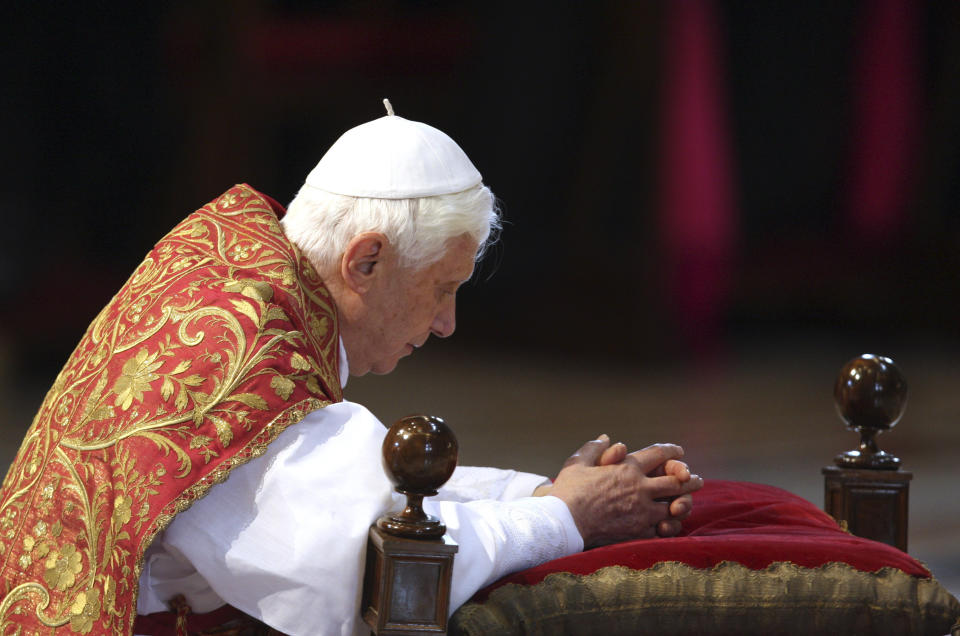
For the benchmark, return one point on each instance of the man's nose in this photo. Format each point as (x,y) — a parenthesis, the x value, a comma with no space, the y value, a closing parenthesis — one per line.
(445,321)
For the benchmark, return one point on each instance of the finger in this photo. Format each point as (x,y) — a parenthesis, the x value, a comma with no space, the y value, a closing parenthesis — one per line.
(681,506)
(678,469)
(665,487)
(651,457)
(653,513)
(589,453)
(672,467)
(694,484)
(669,528)
(613,455)
(648,533)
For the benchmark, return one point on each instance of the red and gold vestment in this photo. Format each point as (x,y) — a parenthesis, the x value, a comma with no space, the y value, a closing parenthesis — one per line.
(221,338)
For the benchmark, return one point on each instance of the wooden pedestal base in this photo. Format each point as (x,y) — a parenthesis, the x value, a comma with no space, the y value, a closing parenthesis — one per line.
(869,503)
(406,586)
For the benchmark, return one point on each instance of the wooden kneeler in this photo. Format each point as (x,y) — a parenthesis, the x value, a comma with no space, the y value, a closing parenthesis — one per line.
(406,585)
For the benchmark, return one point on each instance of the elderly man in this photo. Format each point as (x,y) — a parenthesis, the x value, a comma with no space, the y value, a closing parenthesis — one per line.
(225,354)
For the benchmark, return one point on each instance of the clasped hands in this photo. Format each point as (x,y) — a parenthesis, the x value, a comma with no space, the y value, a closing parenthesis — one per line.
(615,496)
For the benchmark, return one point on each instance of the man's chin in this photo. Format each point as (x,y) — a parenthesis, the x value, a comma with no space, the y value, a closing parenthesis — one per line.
(383,368)
(387,365)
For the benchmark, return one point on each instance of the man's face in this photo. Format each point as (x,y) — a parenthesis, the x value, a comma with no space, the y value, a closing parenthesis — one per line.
(407,305)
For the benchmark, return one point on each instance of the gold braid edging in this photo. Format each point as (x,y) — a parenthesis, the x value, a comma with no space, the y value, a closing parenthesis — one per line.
(675,598)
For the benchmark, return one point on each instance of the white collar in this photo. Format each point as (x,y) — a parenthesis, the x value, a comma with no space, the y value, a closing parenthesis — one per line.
(344,366)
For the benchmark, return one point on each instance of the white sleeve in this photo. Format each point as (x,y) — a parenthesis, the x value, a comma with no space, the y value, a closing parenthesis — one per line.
(497,538)
(284,538)
(470,483)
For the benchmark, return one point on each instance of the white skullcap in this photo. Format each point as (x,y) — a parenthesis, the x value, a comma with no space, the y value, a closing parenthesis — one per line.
(394,158)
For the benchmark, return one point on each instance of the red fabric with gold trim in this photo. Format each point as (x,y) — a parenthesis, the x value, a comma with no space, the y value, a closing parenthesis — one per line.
(750,524)
(222,337)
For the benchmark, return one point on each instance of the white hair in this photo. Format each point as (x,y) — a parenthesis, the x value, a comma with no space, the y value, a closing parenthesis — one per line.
(321,223)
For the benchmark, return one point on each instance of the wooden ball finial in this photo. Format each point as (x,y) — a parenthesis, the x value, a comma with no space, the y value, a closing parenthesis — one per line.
(871,395)
(419,455)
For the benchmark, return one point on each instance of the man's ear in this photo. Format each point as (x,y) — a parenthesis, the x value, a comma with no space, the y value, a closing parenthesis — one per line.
(361,261)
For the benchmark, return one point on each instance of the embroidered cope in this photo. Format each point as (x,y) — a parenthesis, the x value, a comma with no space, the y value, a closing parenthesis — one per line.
(220,339)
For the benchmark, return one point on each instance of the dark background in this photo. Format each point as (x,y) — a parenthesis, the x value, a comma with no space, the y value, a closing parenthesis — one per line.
(120,118)
(825,171)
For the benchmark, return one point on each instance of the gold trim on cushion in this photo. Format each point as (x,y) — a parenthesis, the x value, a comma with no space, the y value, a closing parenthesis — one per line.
(675,598)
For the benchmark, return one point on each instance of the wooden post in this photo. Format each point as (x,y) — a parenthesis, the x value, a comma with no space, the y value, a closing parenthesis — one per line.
(866,492)
(406,586)
(873,504)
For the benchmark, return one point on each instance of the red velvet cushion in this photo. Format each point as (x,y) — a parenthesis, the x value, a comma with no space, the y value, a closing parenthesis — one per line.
(750,524)
(753,560)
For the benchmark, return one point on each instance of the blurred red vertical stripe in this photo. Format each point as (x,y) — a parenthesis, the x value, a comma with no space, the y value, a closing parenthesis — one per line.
(885,119)
(698,220)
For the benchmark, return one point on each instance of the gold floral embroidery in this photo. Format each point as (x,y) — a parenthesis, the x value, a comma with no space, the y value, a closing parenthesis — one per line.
(62,567)
(299,363)
(135,379)
(313,385)
(84,611)
(318,327)
(282,386)
(121,510)
(6,522)
(256,289)
(231,199)
(109,593)
(199,441)
(181,264)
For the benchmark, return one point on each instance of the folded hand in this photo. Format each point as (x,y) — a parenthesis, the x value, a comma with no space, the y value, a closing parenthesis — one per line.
(614,495)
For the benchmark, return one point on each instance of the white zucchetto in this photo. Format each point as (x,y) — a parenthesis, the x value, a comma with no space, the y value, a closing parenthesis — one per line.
(394,158)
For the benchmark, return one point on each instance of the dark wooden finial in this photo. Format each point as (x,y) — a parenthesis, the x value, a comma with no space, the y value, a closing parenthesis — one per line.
(406,588)
(419,455)
(871,394)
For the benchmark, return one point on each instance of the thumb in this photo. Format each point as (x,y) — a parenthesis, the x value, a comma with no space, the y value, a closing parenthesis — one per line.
(589,454)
